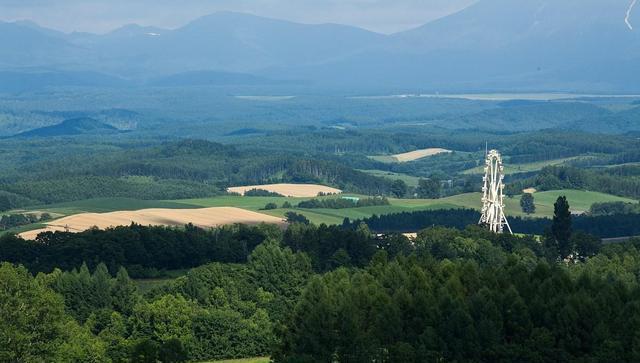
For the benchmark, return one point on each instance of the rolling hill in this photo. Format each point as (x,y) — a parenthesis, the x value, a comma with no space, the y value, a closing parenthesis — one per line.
(71,127)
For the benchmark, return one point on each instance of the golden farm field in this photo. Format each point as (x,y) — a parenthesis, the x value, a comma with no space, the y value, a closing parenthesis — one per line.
(410,156)
(203,217)
(289,190)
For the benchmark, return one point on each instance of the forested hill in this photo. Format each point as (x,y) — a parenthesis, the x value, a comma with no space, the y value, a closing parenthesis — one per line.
(71,127)
(173,170)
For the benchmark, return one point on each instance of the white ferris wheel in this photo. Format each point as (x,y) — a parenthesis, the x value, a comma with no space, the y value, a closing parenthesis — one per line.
(493,194)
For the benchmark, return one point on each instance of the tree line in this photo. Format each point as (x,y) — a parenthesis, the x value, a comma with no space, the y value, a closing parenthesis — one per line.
(143,250)
(342,203)
(603,226)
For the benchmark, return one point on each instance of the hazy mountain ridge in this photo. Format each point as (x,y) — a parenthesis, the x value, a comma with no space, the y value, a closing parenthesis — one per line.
(573,45)
(70,127)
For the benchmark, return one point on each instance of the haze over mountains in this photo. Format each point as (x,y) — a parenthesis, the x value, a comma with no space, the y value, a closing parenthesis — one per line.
(528,45)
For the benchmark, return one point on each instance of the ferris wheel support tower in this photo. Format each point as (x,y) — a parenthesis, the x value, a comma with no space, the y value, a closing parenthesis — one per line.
(493,216)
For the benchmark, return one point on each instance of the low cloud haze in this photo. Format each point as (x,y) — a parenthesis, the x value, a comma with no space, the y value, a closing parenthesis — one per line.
(385,16)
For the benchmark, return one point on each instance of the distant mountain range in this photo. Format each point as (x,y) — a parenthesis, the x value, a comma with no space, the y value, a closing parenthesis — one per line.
(515,45)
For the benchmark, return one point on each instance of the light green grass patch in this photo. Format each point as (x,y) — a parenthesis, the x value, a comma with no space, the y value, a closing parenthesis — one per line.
(410,180)
(336,216)
(388,159)
(579,200)
(104,205)
(250,203)
(25,228)
(526,167)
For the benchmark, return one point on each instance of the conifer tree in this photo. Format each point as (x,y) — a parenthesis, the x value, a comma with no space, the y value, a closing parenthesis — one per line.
(561,227)
(124,293)
(101,288)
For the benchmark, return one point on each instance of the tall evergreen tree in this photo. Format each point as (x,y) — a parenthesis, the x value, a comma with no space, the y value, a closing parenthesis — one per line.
(124,293)
(101,291)
(561,227)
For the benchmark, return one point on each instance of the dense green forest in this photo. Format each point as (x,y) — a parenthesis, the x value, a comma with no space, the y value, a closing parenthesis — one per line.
(512,309)
(309,293)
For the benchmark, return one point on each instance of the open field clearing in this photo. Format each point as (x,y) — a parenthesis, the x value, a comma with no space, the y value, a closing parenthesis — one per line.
(289,190)
(526,167)
(248,210)
(410,180)
(250,203)
(322,215)
(205,217)
(410,156)
(336,216)
(580,201)
(103,205)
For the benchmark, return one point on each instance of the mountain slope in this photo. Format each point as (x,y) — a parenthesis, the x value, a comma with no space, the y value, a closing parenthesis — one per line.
(26,45)
(504,44)
(512,45)
(71,127)
(224,41)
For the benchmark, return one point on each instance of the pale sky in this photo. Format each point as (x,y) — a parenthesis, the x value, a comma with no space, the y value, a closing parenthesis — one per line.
(100,16)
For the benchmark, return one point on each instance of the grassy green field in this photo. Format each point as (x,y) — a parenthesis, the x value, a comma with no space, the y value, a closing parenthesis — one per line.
(103,205)
(580,201)
(21,229)
(409,179)
(526,167)
(384,158)
(336,216)
(250,203)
